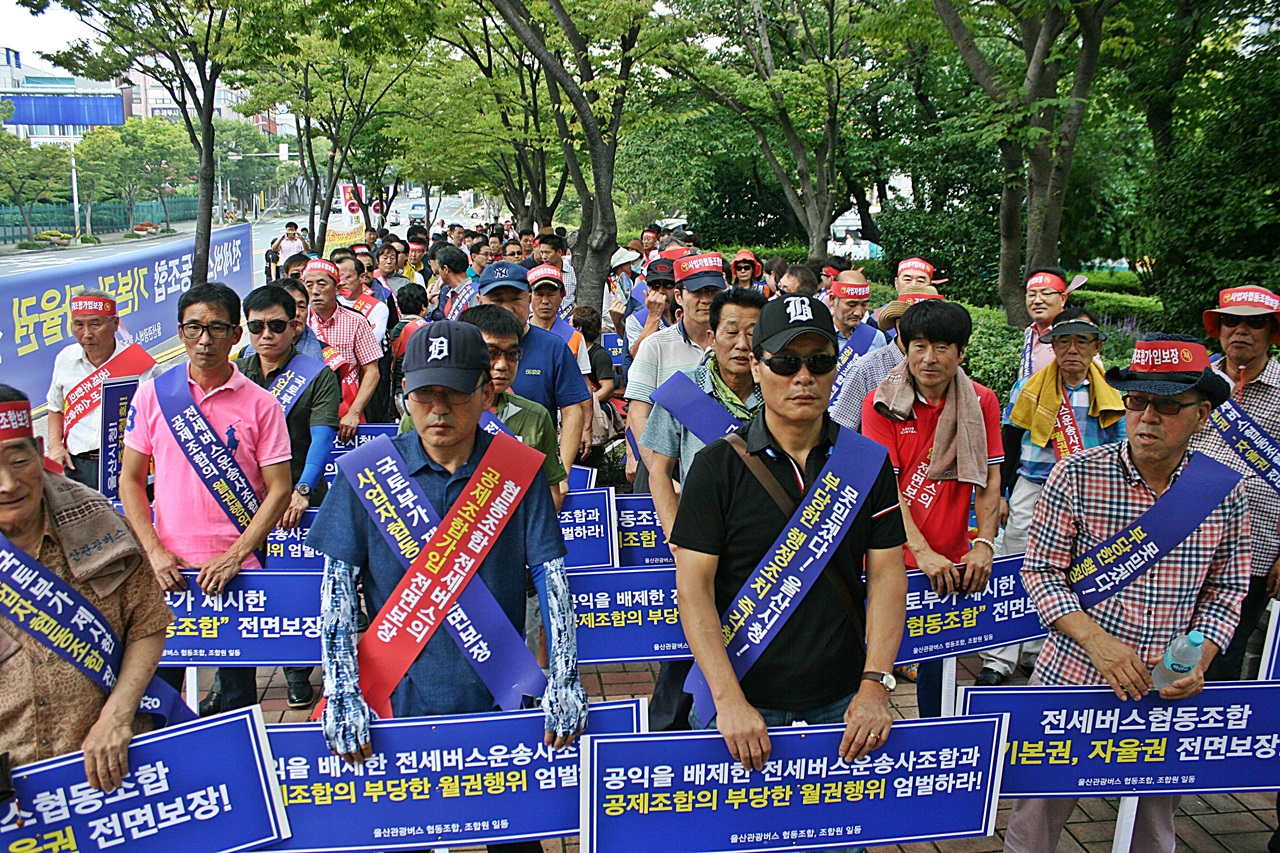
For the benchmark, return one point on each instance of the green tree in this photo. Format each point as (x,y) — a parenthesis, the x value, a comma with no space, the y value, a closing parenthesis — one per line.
(154,159)
(98,162)
(32,174)
(245,176)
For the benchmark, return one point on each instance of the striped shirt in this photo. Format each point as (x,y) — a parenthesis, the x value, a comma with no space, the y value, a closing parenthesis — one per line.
(348,331)
(1262,403)
(1035,463)
(865,375)
(1199,585)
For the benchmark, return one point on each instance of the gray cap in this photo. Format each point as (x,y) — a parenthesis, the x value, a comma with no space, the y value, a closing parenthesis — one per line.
(447,353)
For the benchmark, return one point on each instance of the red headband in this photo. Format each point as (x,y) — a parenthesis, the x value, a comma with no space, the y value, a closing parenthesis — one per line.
(1248,297)
(102,305)
(850,290)
(653,234)
(329,268)
(417,247)
(15,420)
(545,272)
(1169,357)
(916,264)
(913,298)
(1049,280)
(830,272)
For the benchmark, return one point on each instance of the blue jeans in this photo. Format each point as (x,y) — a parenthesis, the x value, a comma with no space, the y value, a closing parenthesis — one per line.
(929,688)
(774,719)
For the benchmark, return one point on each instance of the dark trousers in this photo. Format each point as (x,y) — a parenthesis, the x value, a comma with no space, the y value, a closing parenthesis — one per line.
(669,708)
(929,688)
(86,471)
(239,684)
(297,674)
(1228,664)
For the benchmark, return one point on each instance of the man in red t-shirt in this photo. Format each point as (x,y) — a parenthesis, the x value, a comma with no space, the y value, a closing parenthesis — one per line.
(942,431)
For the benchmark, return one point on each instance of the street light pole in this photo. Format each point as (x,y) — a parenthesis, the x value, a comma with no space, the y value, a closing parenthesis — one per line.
(75,190)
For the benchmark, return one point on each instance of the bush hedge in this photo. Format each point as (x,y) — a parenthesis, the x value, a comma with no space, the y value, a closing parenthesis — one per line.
(131,235)
(90,239)
(1112,281)
(1146,311)
(31,244)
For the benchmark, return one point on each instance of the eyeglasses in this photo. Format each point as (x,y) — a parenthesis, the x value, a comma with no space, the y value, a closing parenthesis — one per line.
(429,396)
(820,364)
(1256,322)
(1162,405)
(277,326)
(195,331)
(487,253)
(513,354)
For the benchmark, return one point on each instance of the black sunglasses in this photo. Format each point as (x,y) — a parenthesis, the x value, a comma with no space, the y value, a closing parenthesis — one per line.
(277,327)
(1162,405)
(820,364)
(1257,321)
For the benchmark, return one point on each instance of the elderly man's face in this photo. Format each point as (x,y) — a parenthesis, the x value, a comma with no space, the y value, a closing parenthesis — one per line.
(848,313)
(1153,437)
(94,332)
(911,276)
(21,484)
(1243,339)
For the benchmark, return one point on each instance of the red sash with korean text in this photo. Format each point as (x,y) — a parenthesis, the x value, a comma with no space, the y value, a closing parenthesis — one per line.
(348,377)
(87,394)
(365,303)
(914,483)
(1066,431)
(443,568)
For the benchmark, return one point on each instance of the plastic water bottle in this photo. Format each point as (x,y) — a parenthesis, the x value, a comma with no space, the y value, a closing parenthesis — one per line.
(1180,658)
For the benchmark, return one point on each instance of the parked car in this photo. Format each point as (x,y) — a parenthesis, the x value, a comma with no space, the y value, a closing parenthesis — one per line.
(417,214)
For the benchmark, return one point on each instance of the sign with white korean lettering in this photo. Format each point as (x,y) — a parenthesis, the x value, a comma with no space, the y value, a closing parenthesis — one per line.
(612,343)
(170,801)
(365,433)
(627,615)
(953,625)
(146,285)
(588,527)
(1085,742)
(641,541)
(117,394)
(287,549)
(437,781)
(682,790)
(262,618)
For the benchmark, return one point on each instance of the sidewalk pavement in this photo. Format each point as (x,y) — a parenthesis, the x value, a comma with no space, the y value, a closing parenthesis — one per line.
(1221,823)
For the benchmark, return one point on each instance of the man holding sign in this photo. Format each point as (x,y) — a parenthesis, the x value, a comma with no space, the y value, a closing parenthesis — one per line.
(75,394)
(1133,544)
(826,500)
(443,527)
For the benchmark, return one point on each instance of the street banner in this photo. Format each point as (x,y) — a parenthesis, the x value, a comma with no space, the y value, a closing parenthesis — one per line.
(627,615)
(612,343)
(641,541)
(932,779)
(206,785)
(287,549)
(365,433)
(1085,742)
(582,477)
(262,618)
(146,285)
(589,528)
(432,782)
(953,625)
(117,394)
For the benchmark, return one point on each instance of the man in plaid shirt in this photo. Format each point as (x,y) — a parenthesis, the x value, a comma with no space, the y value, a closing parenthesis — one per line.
(1199,585)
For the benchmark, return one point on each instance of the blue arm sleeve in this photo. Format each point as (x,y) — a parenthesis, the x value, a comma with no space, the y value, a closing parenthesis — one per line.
(321,443)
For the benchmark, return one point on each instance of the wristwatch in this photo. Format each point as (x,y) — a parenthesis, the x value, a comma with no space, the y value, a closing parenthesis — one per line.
(884,679)
(303,489)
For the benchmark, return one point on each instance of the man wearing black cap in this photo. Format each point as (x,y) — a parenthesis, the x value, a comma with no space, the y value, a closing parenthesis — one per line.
(1115,632)
(815,668)
(659,309)
(448,387)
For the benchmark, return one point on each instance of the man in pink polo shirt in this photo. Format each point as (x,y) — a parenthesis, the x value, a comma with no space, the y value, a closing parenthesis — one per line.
(241,453)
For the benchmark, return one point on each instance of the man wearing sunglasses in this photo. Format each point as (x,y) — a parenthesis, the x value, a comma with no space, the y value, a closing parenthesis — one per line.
(1116,635)
(815,668)
(1246,324)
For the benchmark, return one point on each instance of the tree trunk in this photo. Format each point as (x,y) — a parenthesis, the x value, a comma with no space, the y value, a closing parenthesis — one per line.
(25,210)
(206,193)
(1012,295)
(164,206)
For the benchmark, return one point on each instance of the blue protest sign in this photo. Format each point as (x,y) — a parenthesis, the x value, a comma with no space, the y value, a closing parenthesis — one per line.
(641,541)
(1085,742)
(365,433)
(612,343)
(146,285)
(171,799)
(627,615)
(437,781)
(1269,670)
(262,618)
(1000,615)
(287,549)
(682,790)
(588,526)
(582,477)
(117,394)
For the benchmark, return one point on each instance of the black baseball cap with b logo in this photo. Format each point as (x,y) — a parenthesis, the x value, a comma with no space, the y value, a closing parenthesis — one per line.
(789,316)
(447,353)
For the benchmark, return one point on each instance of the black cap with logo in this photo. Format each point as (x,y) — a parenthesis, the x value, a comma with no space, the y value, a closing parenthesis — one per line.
(788,316)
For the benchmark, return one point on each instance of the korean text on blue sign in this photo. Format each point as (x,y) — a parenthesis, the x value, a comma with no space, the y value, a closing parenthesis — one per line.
(117,394)
(1084,742)
(627,615)
(641,541)
(948,626)
(262,618)
(287,549)
(206,785)
(612,343)
(588,527)
(365,433)
(146,285)
(682,790)
(437,781)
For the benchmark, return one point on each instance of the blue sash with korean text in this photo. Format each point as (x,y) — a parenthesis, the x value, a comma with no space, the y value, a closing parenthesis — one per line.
(1121,559)
(379,475)
(55,614)
(460,299)
(490,423)
(296,377)
(858,344)
(695,409)
(1028,345)
(795,561)
(214,463)
(1253,444)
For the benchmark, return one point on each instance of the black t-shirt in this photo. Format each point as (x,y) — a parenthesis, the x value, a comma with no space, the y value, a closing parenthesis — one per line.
(601,364)
(818,656)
